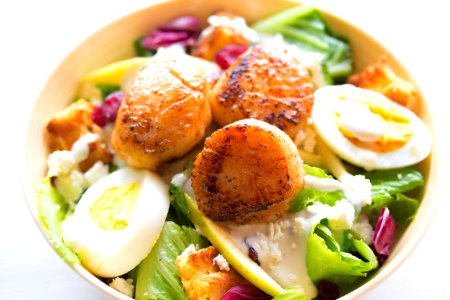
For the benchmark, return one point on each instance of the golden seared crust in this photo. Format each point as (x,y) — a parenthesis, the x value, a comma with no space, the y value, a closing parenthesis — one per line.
(202,279)
(268,84)
(163,115)
(248,172)
(381,78)
(208,45)
(68,125)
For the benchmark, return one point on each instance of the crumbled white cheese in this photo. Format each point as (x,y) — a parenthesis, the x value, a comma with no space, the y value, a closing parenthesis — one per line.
(363,230)
(71,187)
(96,172)
(221,262)
(238,24)
(358,190)
(60,163)
(80,148)
(189,250)
(124,286)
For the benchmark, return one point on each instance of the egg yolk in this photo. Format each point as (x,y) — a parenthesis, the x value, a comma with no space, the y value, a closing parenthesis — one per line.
(112,210)
(372,124)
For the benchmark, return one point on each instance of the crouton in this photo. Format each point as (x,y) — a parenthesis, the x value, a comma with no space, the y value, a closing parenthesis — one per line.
(381,78)
(68,125)
(204,279)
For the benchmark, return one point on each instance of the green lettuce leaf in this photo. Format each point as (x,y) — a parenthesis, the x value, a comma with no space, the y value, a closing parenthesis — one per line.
(291,293)
(315,171)
(179,205)
(158,277)
(326,260)
(388,187)
(52,210)
(392,182)
(309,196)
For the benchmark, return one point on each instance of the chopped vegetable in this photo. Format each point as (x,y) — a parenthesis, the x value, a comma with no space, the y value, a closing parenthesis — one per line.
(182,31)
(325,259)
(328,290)
(384,232)
(387,189)
(158,277)
(245,292)
(52,210)
(228,55)
(178,202)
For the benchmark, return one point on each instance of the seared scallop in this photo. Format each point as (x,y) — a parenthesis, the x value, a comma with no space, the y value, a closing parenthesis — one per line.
(164,113)
(266,83)
(248,172)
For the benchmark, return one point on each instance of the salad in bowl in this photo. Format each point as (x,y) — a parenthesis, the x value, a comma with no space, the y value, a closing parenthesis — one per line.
(235,157)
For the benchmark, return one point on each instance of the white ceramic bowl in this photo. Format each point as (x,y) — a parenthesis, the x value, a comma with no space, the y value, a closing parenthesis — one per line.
(115,42)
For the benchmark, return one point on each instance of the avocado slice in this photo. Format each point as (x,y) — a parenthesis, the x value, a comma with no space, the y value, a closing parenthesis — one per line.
(221,239)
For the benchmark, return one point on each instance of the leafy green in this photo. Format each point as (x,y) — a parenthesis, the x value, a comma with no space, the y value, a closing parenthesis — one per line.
(158,278)
(392,182)
(326,260)
(315,171)
(107,89)
(291,293)
(178,202)
(308,196)
(52,211)
(305,27)
(388,187)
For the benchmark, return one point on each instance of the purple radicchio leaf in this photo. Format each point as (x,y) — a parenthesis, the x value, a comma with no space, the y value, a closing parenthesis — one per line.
(384,232)
(245,292)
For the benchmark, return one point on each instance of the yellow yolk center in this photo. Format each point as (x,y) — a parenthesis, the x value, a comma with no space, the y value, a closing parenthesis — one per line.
(373,124)
(113,209)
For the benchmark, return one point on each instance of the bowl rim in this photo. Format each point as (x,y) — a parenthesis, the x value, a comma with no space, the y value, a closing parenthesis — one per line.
(383,273)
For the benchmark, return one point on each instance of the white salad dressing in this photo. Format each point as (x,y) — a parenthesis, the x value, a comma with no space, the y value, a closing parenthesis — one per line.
(281,245)
(360,121)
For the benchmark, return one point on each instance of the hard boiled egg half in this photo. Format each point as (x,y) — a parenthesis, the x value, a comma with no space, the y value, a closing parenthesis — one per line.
(369,130)
(118,220)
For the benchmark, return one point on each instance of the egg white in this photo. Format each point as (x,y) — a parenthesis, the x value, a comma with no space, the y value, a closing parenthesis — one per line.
(116,252)
(415,150)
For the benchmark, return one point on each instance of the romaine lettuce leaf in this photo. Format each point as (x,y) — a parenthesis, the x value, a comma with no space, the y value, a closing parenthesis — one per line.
(325,259)
(388,187)
(308,197)
(315,171)
(392,182)
(178,202)
(52,210)
(158,277)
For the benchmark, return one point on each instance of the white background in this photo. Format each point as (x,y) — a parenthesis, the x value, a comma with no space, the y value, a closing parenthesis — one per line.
(36,35)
